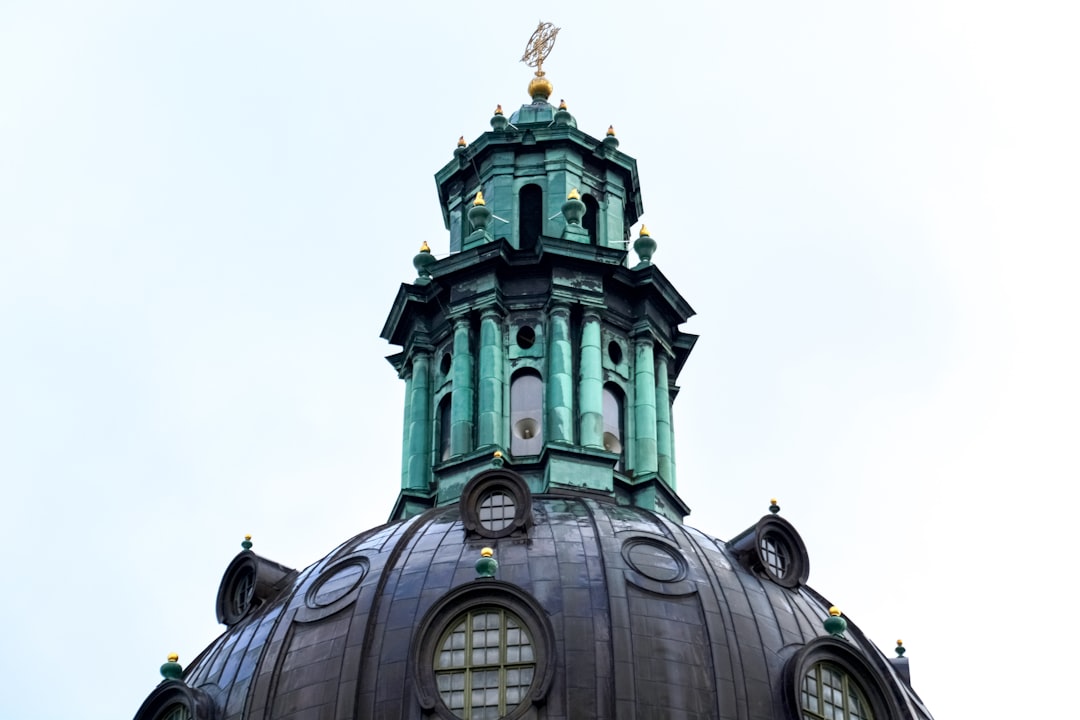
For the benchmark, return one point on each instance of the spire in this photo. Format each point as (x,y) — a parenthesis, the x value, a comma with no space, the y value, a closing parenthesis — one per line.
(528,348)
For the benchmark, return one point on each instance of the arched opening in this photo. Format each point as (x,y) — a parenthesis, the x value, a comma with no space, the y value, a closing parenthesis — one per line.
(444,424)
(526,413)
(592,213)
(530,216)
(613,423)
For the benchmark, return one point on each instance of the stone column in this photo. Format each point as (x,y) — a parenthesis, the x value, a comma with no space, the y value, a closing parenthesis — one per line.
(491,420)
(644,407)
(420,423)
(461,402)
(664,451)
(560,379)
(592,382)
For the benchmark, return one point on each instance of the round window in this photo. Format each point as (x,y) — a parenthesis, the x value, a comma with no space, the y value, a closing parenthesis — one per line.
(496,510)
(775,554)
(485,664)
(526,336)
(241,592)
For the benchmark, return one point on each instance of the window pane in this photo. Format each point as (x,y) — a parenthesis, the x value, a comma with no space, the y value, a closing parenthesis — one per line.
(829,693)
(490,653)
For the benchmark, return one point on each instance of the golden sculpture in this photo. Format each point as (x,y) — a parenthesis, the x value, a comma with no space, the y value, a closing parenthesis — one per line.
(539,47)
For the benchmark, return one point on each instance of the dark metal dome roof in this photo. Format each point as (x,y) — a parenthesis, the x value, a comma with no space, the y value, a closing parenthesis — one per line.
(633,615)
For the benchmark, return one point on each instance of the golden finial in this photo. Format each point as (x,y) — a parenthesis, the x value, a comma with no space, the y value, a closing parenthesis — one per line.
(574,195)
(424,247)
(644,232)
(498,110)
(497,453)
(899,643)
(247,537)
(611,130)
(772,501)
(479,199)
(461,141)
(562,104)
(487,552)
(539,47)
(173,657)
(834,611)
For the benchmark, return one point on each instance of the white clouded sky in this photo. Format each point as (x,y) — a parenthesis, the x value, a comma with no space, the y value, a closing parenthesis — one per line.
(206,209)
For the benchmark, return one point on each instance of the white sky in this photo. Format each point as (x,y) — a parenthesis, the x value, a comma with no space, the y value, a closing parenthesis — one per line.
(206,209)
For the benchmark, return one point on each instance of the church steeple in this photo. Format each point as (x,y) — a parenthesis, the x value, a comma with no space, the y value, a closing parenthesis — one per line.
(533,337)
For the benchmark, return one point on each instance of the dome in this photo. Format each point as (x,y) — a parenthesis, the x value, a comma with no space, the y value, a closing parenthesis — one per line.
(595,610)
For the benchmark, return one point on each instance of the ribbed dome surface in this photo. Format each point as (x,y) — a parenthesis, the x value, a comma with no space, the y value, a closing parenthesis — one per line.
(647,619)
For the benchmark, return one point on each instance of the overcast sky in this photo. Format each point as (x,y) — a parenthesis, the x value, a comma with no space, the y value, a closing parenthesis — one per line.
(207,207)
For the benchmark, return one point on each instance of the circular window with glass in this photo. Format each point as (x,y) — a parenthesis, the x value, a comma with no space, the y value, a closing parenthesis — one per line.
(496,510)
(496,504)
(775,555)
(485,664)
(830,693)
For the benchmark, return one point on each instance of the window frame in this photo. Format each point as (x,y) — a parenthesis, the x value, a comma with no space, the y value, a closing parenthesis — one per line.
(441,618)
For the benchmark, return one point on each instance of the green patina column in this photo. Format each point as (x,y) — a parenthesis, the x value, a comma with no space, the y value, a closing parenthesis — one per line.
(560,380)
(592,381)
(492,421)
(420,423)
(461,402)
(664,452)
(644,407)
(406,445)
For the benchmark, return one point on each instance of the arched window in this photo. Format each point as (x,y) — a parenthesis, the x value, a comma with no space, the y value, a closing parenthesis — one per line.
(485,664)
(613,422)
(592,213)
(530,216)
(445,424)
(830,693)
(526,413)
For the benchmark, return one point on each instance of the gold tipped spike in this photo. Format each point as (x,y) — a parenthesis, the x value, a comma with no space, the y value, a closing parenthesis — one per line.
(424,247)
(498,110)
(611,131)
(644,232)
(574,195)
(461,141)
(562,104)
(479,199)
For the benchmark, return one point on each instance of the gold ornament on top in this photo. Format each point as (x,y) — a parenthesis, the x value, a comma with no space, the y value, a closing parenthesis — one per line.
(536,52)
(539,47)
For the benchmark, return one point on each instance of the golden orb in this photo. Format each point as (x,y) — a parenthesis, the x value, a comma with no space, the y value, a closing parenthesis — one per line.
(497,453)
(540,87)
(247,537)
(173,657)
(900,642)
(772,501)
(487,552)
(424,247)
(834,611)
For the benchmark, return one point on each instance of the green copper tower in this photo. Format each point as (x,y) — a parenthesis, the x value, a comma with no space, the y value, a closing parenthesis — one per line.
(535,338)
